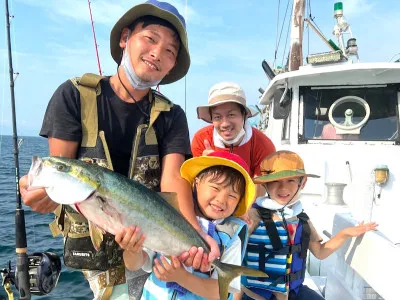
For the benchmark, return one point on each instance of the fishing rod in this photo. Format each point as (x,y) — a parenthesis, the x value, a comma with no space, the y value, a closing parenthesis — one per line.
(95,41)
(37,273)
(22,264)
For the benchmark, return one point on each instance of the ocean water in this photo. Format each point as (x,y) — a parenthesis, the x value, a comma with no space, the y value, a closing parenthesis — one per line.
(72,284)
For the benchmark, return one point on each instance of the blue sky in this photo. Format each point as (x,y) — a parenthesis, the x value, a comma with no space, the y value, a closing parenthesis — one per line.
(52,41)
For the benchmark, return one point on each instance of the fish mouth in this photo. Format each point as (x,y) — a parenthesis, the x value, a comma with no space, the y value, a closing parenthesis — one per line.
(76,204)
(34,170)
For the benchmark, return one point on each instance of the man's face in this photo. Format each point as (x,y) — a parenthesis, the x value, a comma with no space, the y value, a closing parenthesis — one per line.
(227,119)
(153,50)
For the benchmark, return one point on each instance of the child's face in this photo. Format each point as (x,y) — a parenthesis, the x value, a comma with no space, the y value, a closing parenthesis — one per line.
(216,200)
(285,190)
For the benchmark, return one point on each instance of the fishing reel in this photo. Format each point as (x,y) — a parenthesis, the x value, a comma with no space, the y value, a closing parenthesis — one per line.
(44,272)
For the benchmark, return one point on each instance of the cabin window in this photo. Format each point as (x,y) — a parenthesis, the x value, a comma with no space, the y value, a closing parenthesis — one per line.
(381,125)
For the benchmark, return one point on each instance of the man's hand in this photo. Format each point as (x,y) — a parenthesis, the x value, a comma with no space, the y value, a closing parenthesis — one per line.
(207,147)
(37,199)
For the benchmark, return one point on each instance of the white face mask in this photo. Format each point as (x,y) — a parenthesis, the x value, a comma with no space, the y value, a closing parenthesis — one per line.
(293,209)
(242,138)
(240,135)
(136,82)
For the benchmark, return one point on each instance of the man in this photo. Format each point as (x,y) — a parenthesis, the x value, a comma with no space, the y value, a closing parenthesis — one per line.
(119,122)
(229,130)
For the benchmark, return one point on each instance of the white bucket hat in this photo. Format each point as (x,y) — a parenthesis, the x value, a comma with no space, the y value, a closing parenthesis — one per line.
(220,93)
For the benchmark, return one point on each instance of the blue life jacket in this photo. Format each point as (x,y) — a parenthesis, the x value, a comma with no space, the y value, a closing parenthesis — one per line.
(269,250)
(224,234)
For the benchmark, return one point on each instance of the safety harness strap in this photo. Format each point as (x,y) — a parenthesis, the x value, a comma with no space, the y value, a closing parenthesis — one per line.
(272,232)
(287,278)
(306,233)
(89,88)
(160,104)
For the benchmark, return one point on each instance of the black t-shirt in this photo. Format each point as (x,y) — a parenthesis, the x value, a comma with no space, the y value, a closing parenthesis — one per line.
(118,119)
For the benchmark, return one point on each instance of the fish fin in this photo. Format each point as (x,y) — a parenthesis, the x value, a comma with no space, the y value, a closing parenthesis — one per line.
(227,272)
(172,199)
(96,235)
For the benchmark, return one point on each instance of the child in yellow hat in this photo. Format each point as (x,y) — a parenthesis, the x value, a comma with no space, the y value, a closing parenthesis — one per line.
(223,190)
(282,233)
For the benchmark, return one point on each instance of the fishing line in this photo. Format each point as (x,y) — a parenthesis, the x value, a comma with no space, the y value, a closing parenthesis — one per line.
(33,230)
(277,30)
(4,73)
(13,37)
(287,37)
(2,103)
(3,94)
(283,25)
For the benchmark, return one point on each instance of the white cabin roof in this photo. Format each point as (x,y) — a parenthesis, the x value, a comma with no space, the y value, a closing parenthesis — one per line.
(337,74)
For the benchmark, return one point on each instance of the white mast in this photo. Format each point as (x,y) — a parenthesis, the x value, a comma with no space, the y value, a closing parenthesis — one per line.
(296,35)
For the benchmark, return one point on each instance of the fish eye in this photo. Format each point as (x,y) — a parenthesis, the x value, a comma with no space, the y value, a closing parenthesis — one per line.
(60,167)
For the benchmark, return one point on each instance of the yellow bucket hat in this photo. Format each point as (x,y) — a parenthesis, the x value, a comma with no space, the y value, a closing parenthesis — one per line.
(192,167)
(282,165)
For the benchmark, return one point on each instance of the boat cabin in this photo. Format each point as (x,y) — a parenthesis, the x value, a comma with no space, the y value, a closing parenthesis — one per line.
(343,120)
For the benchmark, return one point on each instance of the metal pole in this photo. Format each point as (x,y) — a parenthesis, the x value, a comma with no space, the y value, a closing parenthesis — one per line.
(95,41)
(21,248)
(319,34)
(296,36)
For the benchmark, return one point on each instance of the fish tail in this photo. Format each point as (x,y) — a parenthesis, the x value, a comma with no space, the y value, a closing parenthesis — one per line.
(227,272)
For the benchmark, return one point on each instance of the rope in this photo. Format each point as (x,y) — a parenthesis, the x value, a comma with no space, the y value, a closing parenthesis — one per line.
(277,29)
(311,17)
(283,25)
(287,37)
(394,56)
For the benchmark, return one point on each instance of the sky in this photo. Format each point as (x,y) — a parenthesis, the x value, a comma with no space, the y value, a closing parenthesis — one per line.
(52,41)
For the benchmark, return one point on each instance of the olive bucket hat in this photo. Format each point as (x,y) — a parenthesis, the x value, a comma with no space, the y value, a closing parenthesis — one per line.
(162,10)
(281,165)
